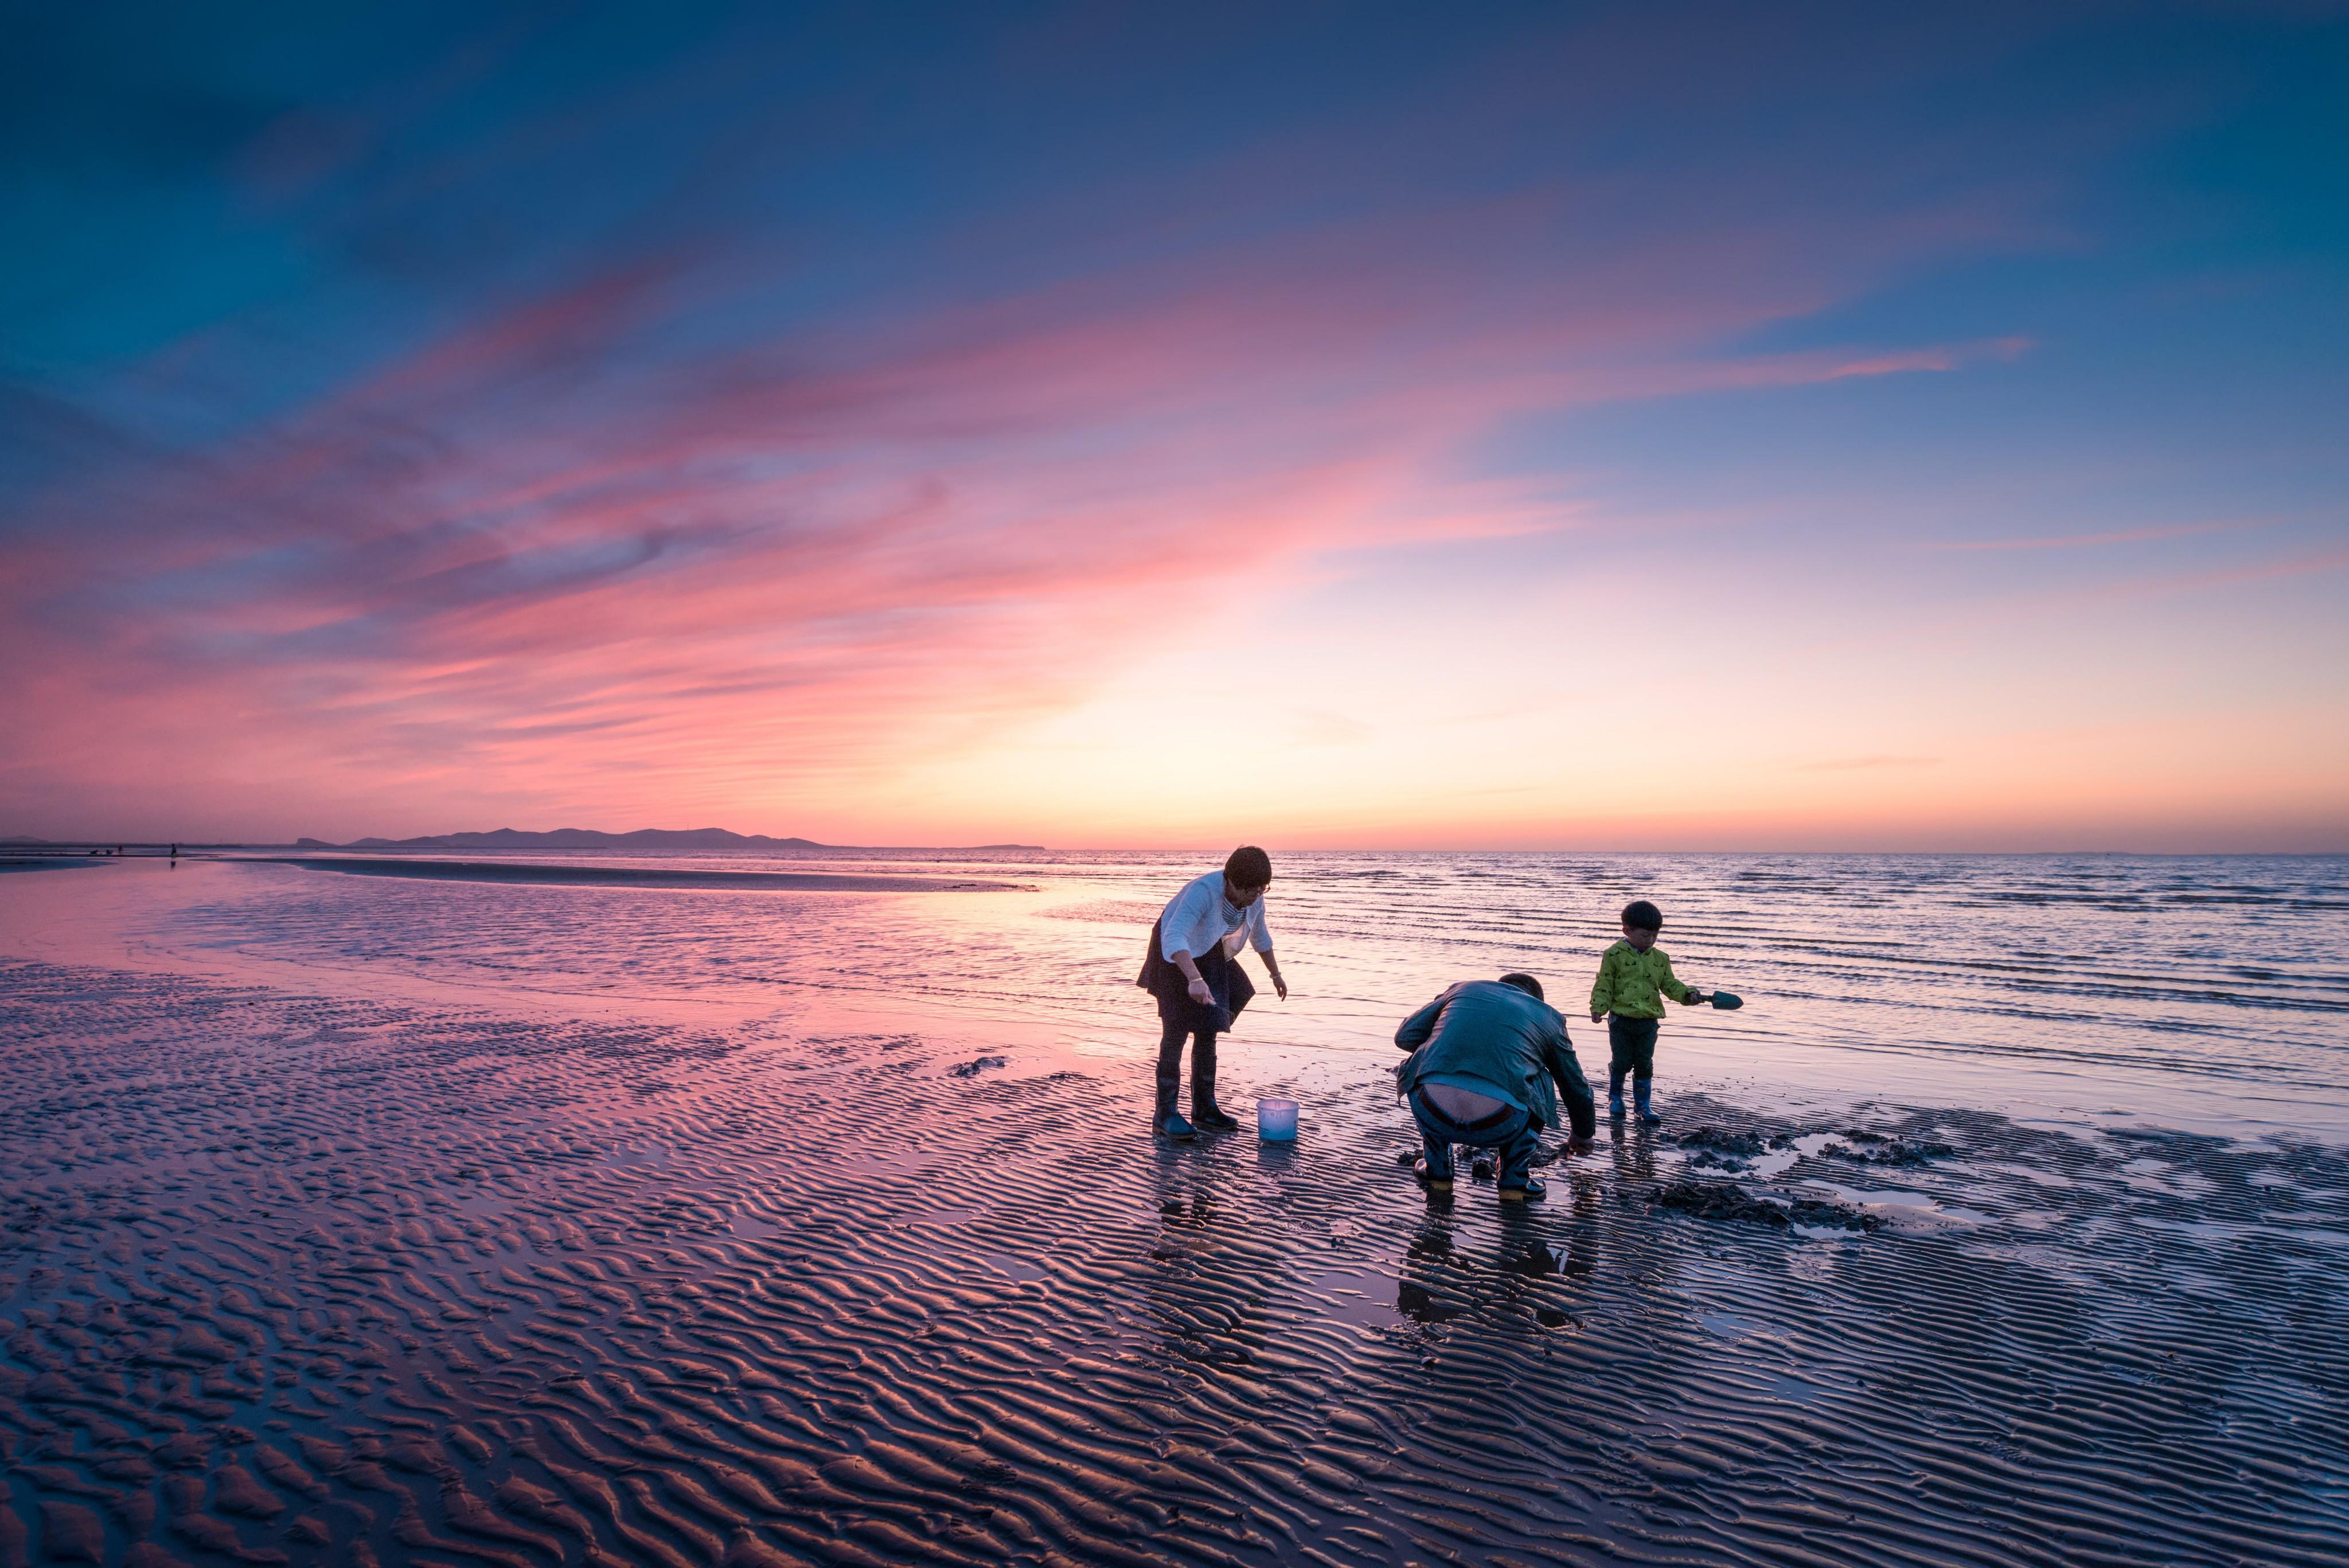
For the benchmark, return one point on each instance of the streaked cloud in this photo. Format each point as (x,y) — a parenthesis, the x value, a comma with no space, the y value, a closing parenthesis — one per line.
(539,421)
(2082,541)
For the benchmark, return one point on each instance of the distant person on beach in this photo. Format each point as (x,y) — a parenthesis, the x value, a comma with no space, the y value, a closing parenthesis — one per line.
(1634,977)
(1190,969)
(1484,1057)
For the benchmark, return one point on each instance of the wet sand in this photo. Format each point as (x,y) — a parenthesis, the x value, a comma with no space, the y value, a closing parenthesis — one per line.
(555,874)
(321,1276)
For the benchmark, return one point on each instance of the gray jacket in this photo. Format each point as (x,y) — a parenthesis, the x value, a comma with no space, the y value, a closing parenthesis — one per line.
(1484,1029)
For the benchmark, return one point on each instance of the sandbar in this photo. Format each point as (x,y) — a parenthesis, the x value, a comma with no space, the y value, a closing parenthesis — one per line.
(636,877)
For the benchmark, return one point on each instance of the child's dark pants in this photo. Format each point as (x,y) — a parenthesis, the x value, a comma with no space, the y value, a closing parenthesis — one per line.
(1630,1048)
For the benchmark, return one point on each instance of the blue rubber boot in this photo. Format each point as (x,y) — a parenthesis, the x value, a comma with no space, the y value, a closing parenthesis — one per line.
(1648,1117)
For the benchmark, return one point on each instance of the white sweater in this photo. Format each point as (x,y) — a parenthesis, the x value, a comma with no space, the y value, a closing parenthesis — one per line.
(1199,917)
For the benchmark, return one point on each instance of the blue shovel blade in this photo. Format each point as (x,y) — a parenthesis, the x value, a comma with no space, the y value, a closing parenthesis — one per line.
(1727,1001)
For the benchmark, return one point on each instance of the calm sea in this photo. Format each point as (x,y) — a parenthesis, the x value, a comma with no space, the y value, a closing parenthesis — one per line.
(2211,992)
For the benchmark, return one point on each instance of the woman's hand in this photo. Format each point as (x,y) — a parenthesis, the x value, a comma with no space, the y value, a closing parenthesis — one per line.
(1201,994)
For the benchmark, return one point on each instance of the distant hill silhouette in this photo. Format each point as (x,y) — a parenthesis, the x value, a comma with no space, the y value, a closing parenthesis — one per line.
(591,839)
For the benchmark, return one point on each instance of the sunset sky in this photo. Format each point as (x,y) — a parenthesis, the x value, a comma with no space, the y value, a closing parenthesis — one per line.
(1544,426)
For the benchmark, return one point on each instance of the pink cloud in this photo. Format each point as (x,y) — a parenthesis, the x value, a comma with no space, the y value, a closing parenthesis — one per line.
(2079,541)
(488,570)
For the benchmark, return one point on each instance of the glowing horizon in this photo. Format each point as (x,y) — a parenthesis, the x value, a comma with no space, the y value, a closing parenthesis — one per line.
(1836,430)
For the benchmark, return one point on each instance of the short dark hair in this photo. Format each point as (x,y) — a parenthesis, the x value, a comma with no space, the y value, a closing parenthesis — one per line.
(1524,982)
(1642,916)
(1248,868)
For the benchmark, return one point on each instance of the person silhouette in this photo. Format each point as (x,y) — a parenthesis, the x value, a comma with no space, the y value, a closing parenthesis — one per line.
(1189,969)
(1490,1063)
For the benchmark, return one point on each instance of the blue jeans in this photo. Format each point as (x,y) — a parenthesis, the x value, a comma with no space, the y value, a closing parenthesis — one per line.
(1514,1134)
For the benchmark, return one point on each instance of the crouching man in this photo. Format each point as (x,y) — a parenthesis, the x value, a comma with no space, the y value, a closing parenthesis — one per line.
(1482,1058)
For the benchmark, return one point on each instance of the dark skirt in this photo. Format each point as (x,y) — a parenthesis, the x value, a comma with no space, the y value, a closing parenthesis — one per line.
(1225,981)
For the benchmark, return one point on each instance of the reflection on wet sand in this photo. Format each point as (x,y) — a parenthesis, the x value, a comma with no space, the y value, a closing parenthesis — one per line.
(296,1279)
(410,1277)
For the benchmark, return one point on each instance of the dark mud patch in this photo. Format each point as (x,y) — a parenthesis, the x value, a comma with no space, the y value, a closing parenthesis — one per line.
(1720,1201)
(1880,1148)
(973,1068)
(1722,1141)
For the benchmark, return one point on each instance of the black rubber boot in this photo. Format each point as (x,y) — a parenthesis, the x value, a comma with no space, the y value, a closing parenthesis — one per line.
(1166,1121)
(1205,1115)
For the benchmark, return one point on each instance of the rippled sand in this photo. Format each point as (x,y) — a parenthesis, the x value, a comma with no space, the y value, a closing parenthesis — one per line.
(326,1276)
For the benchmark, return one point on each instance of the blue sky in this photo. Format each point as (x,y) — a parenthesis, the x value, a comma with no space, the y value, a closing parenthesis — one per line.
(864,422)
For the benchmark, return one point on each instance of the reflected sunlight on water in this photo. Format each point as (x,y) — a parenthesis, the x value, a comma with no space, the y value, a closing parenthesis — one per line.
(2207,989)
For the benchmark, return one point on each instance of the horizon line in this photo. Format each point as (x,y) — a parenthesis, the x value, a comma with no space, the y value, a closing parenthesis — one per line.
(29,842)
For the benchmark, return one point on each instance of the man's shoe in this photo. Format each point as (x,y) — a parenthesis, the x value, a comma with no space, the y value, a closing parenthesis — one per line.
(1174,1126)
(1434,1180)
(1528,1188)
(1211,1118)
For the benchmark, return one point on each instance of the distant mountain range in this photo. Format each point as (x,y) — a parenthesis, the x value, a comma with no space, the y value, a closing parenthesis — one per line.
(590,838)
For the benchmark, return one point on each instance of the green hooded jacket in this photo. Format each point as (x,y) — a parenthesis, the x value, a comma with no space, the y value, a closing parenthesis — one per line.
(1629,982)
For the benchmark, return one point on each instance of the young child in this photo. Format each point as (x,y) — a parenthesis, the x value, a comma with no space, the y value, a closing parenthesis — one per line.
(1634,977)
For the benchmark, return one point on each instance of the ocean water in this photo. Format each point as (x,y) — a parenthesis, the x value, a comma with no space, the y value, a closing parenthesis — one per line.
(2204,993)
(345,1219)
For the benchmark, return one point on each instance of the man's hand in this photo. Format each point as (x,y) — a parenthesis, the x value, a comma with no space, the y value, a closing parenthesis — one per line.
(1201,994)
(1280,986)
(1597,1018)
(1578,1146)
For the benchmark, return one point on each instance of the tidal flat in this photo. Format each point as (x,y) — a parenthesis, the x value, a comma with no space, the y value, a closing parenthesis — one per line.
(345,1219)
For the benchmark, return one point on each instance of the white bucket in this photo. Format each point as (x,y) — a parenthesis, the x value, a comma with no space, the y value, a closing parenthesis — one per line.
(1276,1120)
